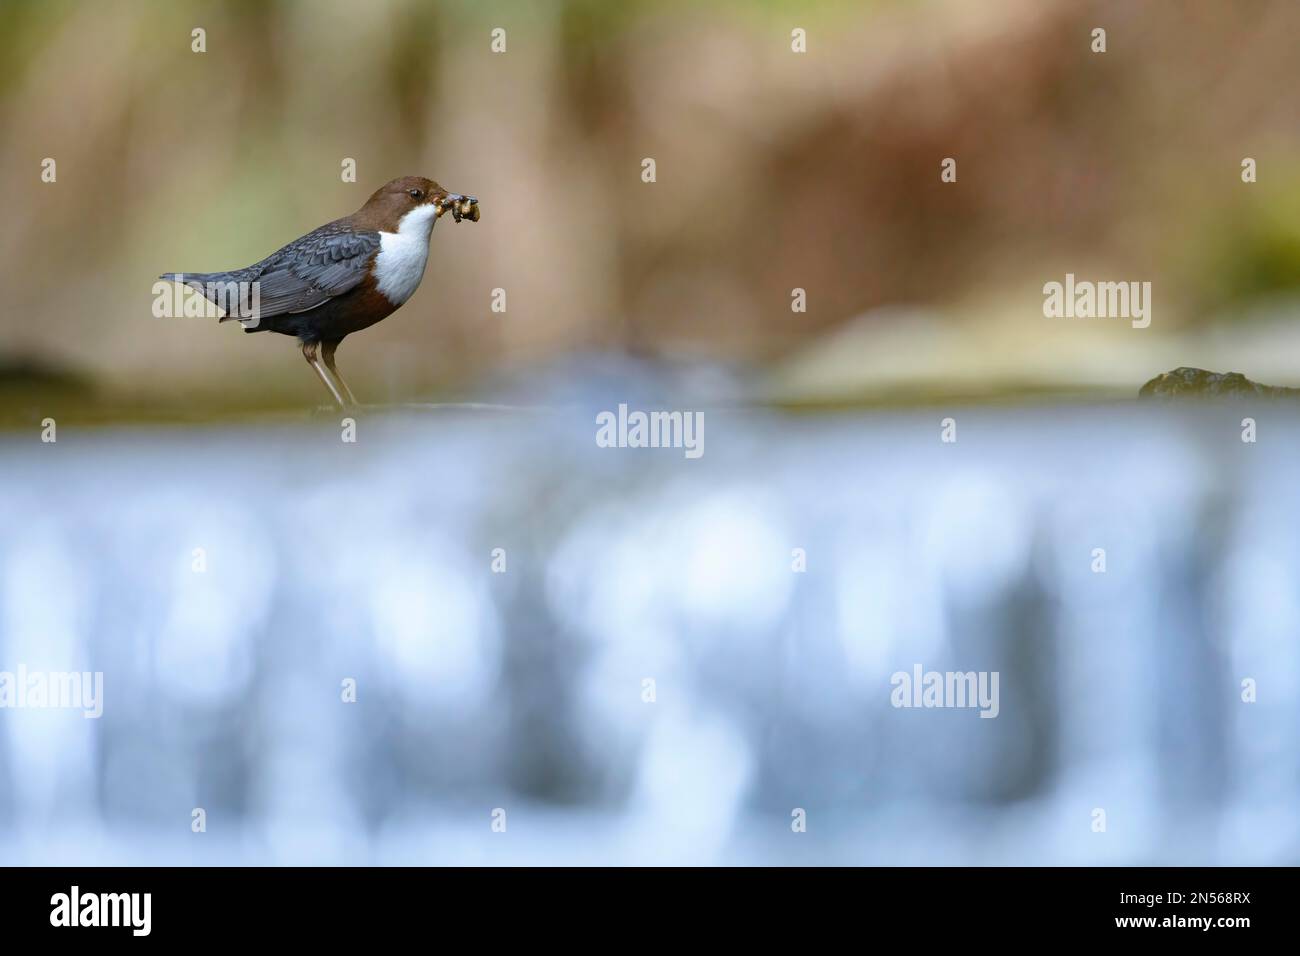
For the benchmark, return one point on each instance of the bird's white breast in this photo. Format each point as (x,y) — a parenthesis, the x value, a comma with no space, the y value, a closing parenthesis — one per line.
(399,267)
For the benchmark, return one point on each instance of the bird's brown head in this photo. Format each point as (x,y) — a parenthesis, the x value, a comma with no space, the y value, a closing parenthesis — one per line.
(390,204)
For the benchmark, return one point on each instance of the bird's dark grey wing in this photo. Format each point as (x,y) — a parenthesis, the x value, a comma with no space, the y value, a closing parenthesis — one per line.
(306,273)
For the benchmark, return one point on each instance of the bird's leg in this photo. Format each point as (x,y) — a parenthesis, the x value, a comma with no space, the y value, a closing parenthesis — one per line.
(327,353)
(309,353)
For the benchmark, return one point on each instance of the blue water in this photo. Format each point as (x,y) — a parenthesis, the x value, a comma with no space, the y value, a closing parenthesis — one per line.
(521,695)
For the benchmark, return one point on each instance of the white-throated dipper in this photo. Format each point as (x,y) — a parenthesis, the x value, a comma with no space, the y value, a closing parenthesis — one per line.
(345,276)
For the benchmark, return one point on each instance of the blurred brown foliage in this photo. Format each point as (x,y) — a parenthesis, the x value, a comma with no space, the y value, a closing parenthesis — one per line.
(775,170)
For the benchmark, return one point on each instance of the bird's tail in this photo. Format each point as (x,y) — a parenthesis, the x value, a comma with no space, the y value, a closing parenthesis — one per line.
(219,288)
(196,279)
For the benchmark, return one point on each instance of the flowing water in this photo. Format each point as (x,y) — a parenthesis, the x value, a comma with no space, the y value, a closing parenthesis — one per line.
(561,652)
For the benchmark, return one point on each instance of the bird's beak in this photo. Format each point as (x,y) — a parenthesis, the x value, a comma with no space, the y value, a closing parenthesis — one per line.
(460,207)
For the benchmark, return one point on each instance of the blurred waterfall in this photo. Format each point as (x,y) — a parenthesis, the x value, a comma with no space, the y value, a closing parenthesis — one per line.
(229,581)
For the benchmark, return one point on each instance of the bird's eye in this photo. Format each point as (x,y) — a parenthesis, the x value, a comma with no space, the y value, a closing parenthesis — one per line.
(416,194)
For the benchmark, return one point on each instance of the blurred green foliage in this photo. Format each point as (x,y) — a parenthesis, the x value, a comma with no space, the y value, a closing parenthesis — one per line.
(1252,251)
